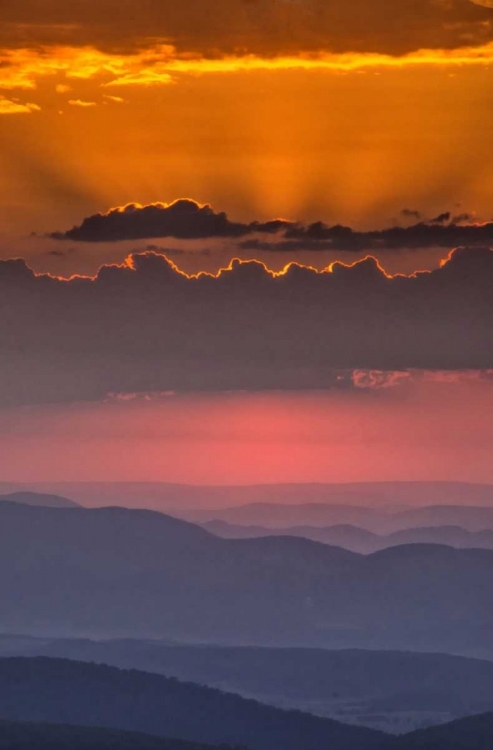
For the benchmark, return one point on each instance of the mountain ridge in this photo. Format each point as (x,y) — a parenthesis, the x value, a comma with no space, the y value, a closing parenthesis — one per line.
(172,497)
(391,691)
(36,736)
(37,499)
(119,572)
(357,539)
(95,707)
(41,689)
(279,516)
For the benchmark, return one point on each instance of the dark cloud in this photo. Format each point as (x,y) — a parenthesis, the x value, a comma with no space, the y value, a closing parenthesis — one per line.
(434,233)
(187,220)
(464,218)
(61,253)
(170,252)
(267,27)
(410,213)
(320,236)
(147,327)
(183,219)
(441,218)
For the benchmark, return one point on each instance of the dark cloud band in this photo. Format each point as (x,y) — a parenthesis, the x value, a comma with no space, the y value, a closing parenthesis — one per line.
(215,28)
(147,327)
(183,219)
(187,220)
(434,233)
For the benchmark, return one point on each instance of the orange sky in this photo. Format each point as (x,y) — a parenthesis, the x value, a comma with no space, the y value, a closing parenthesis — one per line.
(335,111)
(368,114)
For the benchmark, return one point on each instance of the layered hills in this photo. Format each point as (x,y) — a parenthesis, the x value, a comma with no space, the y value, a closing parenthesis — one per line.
(117,572)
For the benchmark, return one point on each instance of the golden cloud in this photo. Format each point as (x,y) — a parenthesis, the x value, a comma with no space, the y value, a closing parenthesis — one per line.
(161,65)
(81,103)
(8,107)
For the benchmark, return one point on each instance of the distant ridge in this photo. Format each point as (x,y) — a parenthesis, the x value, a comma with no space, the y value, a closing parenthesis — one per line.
(114,572)
(361,540)
(285,517)
(166,496)
(69,692)
(36,736)
(39,499)
(387,690)
(472,733)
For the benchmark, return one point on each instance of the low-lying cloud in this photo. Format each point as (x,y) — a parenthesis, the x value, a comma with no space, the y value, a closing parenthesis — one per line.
(147,327)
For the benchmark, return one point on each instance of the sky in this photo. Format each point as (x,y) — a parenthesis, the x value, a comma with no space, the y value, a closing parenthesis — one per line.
(246,240)
(422,427)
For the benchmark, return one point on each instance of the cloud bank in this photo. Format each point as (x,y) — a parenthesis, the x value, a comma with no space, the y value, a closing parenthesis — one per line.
(215,28)
(147,327)
(187,220)
(9,107)
(182,219)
